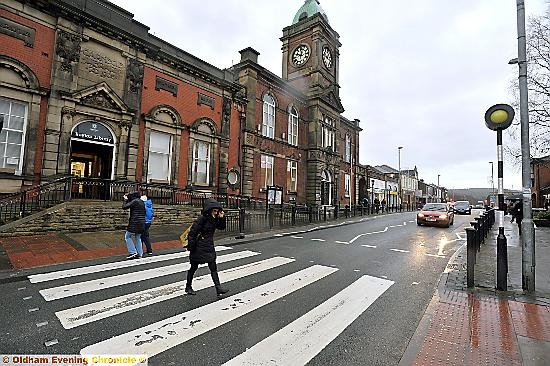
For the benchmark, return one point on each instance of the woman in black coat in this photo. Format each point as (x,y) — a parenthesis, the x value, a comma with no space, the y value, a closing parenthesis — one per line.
(201,243)
(136,224)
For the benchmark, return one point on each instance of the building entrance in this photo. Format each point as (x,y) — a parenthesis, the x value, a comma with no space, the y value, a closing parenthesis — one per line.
(91,160)
(92,150)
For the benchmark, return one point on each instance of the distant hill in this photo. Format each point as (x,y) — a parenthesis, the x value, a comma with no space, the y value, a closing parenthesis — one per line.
(474,194)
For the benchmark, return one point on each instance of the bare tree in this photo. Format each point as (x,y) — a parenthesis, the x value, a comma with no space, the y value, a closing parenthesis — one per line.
(538,80)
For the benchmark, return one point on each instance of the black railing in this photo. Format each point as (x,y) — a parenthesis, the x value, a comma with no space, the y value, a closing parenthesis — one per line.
(245,214)
(475,235)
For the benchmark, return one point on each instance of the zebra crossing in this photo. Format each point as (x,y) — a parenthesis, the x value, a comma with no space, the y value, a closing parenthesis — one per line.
(90,302)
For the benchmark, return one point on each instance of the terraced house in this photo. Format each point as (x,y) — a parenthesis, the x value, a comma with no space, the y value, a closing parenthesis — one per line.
(86,90)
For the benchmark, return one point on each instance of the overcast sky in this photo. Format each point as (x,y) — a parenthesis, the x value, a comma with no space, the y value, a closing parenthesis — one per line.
(418,74)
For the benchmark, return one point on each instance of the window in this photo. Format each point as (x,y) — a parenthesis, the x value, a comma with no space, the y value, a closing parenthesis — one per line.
(12,136)
(347,149)
(292,176)
(328,133)
(268,125)
(159,156)
(293,126)
(347,182)
(201,163)
(267,170)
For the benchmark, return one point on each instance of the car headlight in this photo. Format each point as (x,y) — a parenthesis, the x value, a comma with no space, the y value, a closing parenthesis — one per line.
(443,216)
(420,215)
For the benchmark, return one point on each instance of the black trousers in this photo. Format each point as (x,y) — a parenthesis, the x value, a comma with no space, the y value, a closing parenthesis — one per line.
(213,272)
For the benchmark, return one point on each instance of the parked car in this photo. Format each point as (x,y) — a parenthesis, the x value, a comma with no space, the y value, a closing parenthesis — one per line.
(463,207)
(437,214)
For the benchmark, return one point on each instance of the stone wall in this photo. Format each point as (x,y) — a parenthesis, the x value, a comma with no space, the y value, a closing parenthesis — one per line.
(85,216)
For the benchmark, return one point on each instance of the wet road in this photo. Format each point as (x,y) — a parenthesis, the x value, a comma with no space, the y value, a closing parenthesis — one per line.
(352,294)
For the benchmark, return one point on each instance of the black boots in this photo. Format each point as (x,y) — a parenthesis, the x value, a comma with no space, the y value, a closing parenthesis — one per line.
(219,289)
(188,289)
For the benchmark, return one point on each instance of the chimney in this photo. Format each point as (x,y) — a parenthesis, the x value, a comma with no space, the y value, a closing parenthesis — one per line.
(249,54)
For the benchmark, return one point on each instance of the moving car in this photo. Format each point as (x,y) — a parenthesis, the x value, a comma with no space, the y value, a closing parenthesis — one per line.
(438,214)
(463,207)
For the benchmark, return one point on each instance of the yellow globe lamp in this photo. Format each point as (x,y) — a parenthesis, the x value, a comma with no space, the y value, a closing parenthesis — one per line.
(499,117)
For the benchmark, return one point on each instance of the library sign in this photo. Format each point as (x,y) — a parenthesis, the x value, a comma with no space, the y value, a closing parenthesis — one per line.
(93,131)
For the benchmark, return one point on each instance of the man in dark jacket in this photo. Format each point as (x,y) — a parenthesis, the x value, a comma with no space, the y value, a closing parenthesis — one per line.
(201,243)
(136,224)
(517,213)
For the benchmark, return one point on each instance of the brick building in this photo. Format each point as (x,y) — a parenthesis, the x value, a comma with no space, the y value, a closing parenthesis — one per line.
(86,90)
(540,181)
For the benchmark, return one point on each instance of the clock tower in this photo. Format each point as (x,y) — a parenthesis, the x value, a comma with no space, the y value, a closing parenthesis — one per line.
(311,53)
(310,64)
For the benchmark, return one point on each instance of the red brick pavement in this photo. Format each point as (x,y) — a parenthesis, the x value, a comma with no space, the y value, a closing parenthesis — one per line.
(477,329)
(33,251)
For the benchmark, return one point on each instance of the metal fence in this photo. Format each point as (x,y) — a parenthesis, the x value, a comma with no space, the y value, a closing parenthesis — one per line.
(245,213)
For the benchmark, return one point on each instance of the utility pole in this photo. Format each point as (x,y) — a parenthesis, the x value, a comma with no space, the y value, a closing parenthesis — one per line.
(527,228)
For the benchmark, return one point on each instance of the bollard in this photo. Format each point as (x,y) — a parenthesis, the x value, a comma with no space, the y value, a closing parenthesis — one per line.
(241,223)
(471,256)
(481,229)
(271,217)
(293,216)
(477,235)
(325,212)
(346,211)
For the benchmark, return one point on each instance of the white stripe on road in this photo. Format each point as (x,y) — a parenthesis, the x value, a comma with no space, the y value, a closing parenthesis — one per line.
(50,276)
(318,239)
(400,250)
(304,338)
(435,255)
(88,313)
(78,288)
(373,232)
(165,334)
(341,242)
(368,246)
(297,237)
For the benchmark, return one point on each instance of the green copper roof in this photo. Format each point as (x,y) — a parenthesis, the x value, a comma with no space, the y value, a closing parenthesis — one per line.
(310,7)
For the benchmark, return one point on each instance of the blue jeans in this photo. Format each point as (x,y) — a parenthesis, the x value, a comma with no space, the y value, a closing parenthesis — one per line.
(130,243)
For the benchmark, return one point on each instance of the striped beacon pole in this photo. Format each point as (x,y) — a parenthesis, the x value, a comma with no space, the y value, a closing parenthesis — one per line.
(498,118)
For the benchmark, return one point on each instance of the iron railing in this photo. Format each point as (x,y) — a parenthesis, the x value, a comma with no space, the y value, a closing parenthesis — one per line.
(245,214)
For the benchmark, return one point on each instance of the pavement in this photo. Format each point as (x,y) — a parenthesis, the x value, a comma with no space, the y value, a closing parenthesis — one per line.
(461,326)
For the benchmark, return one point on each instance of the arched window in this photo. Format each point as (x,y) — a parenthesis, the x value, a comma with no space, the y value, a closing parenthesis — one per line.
(347,149)
(202,155)
(293,126)
(326,191)
(328,133)
(268,124)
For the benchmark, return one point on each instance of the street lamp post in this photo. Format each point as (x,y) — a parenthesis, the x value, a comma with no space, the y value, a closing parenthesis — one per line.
(527,228)
(439,195)
(400,203)
(372,196)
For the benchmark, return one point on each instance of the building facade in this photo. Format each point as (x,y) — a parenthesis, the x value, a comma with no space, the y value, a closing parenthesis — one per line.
(85,90)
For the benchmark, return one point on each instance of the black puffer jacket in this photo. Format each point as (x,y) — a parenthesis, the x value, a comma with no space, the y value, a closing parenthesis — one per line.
(201,235)
(136,222)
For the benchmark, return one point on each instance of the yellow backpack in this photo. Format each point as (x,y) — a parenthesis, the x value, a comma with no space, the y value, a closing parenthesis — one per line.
(183,237)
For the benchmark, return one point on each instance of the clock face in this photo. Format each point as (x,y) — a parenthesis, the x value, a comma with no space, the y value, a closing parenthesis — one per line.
(300,55)
(327,57)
